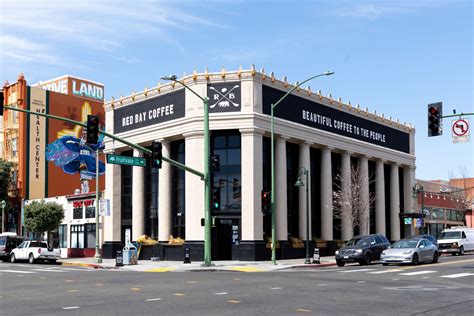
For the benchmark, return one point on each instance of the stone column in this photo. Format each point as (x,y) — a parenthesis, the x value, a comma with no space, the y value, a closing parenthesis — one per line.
(394,203)
(346,197)
(251,184)
(326,195)
(364,215)
(113,192)
(164,195)
(304,163)
(194,187)
(281,190)
(379,198)
(138,199)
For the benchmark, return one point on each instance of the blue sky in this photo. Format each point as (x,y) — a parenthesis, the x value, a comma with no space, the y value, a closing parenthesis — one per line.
(393,57)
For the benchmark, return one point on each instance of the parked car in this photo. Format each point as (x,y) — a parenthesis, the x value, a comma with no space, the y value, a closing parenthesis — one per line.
(34,251)
(429,237)
(362,249)
(410,250)
(8,241)
(456,240)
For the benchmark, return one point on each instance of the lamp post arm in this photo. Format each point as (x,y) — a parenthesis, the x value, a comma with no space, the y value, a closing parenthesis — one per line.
(184,85)
(328,73)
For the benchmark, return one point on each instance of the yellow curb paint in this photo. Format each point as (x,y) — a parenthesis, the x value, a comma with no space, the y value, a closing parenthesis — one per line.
(160,270)
(301,310)
(135,289)
(178,294)
(246,269)
(233,302)
(72,291)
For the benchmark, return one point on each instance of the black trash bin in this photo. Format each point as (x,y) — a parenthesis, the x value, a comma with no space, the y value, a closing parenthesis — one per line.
(119,259)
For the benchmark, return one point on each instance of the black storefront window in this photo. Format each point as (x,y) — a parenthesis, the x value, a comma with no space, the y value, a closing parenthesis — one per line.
(77,213)
(178,190)
(62,236)
(227,180)
(90,211)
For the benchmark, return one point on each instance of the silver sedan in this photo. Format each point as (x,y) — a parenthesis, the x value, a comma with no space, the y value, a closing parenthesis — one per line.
(412,250)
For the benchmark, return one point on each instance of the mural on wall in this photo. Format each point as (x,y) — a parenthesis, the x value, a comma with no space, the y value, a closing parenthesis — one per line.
(71,152)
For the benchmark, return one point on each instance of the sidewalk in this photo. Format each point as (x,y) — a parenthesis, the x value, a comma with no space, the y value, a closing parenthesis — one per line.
(179,266)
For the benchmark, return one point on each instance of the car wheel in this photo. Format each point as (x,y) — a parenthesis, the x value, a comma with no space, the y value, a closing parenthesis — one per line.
(367,259)
(12,258)
(385,264)
(415,259)
(435,257)
(340,263)
(31,258)
(461,251)
(52,261)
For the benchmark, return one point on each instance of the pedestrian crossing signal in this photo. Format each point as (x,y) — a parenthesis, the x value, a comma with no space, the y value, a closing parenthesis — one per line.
(266,202)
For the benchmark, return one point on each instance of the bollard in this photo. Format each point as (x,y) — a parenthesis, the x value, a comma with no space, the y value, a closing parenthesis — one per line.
(119,259)
(187,255)
(316,258)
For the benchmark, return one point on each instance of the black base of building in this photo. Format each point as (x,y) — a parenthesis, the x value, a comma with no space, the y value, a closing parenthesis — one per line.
(110,248)
(253,250)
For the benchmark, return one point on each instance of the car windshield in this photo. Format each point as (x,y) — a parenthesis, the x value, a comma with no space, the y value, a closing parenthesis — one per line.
(450,235)
(405,244)
(357,242)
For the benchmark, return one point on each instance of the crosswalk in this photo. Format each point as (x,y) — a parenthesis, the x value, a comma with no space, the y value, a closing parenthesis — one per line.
(29,269)
(401,272)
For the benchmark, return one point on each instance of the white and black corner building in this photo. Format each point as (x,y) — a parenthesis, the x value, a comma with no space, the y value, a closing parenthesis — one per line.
(325,136)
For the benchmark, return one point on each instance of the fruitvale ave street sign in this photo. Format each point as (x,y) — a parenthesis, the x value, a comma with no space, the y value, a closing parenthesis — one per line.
(124,160)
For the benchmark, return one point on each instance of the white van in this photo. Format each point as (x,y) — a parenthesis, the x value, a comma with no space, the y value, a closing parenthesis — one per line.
(456,240)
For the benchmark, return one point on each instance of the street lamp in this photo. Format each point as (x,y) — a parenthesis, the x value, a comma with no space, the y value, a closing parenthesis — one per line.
(418,188)
(2,206)
(97,256)
(300,183)
(207,180)
(272,195)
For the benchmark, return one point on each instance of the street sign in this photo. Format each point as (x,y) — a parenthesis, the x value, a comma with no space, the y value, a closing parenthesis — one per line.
(124,160)
(460,130)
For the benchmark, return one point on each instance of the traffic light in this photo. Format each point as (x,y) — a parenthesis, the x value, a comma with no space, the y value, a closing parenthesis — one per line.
(216,164)
(92,129)
(435,115)
(1,103)
(266,202)
(156,154)
(216,199)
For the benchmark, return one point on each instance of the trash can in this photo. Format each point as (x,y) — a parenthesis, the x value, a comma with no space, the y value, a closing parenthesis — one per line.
(316,258)
(130,254)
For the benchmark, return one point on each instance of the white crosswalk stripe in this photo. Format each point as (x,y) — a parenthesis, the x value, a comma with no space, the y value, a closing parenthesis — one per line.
(358,270)
(384,271)
(458,275)
(48,270)
(17,271)
(418,272)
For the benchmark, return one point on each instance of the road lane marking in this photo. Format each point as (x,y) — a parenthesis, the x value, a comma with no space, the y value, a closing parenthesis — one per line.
(439,264)
(233,302)
(395,279)
(425,277)
(48,270)
(301,310)
(221,293)
(71,307)
(384,271)
(160,270)
(99,284)
(360,282)
(459,275)
(135,288)
(69,281)
(153,299)
(236,279)
(322,284)
(418,272)
(179,294)
(275,288)
(358,270)
(191,282)
(72,291)
(18,271)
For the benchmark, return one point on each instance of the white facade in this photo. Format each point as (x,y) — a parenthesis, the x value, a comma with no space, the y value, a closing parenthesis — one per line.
(253,125)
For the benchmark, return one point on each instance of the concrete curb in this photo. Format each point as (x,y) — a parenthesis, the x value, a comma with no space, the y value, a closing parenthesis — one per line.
(89,265)
(316,265)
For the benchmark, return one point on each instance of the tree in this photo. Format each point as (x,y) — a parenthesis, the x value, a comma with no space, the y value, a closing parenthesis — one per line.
(43,217)
(350,203)
(5,179)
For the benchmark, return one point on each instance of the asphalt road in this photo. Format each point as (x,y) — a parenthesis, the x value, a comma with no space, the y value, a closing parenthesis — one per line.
(446,288)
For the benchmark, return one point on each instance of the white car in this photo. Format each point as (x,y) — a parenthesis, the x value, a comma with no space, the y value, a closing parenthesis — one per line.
(456,240)
(411,250)
(34,251)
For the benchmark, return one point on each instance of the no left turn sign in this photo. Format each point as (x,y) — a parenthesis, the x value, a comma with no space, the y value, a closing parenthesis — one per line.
(460,130)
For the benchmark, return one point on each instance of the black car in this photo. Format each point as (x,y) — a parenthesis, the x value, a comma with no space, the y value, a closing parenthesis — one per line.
(8,241)
(362,249)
